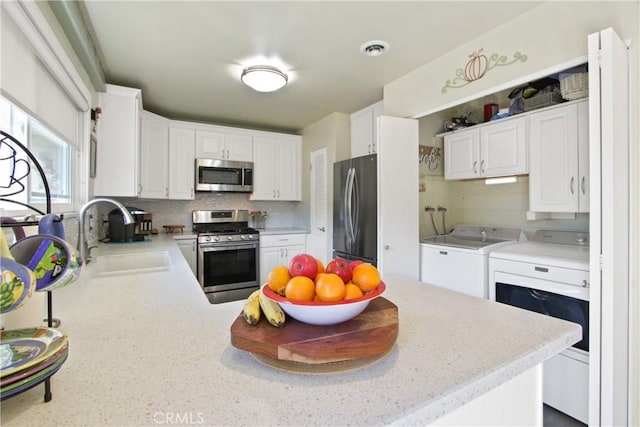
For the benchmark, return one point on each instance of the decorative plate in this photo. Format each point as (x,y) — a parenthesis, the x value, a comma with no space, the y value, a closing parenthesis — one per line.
(33,380)
(23,348)
(16,285)
(10,379)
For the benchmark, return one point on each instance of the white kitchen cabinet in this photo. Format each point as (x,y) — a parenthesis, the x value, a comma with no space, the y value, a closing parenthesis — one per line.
(279,250)
(189,246)
(154,152)
(219,143)
(277,167)
(559,149)
(364,130)
(118,133)
(495,149)
(181,162)
(166,159)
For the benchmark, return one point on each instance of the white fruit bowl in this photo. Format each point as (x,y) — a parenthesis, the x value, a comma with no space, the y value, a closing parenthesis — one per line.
(324,313)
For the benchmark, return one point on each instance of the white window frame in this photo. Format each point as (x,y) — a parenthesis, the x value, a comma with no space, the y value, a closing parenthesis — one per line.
(33,24)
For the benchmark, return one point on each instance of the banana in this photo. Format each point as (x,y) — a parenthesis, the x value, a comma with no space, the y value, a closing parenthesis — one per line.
(272,311)
(251,310)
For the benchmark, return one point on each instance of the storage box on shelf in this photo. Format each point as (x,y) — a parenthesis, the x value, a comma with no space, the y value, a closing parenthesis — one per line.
(574,85)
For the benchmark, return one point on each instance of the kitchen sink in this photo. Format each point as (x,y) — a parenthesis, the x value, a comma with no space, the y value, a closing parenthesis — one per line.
(130,263)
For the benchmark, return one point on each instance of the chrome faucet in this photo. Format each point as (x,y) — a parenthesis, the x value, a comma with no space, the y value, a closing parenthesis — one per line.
(83,244)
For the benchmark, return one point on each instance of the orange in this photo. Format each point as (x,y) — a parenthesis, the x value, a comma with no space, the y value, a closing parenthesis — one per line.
(329,287)
(366,277)
(301,288)
(352,291)
(320,267)
(278,279)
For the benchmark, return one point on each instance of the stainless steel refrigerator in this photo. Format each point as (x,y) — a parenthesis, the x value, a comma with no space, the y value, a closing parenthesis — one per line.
(355,209)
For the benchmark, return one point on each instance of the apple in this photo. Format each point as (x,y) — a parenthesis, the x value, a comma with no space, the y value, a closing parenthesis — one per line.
(340,267)
(355,263)
(303,265)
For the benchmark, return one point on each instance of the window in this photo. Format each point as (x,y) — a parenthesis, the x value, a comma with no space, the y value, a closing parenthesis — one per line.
(54,154)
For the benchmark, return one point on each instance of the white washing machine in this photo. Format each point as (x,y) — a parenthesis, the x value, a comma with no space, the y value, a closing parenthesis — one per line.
(550,275)
(460,260)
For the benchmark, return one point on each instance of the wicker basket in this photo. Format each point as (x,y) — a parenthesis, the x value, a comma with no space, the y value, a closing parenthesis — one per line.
(575,86)
(541,100)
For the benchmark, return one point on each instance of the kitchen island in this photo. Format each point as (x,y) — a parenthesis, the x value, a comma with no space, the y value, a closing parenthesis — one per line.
(149,349)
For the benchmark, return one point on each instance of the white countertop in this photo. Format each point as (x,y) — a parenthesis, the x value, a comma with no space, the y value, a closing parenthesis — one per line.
(148,347)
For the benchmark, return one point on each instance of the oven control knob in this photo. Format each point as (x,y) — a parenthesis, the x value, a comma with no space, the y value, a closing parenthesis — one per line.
(229,237)
(207,239)
(243,237)
(215,238)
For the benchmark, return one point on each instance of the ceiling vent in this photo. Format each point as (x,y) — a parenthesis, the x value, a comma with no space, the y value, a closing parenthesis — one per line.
(374,48)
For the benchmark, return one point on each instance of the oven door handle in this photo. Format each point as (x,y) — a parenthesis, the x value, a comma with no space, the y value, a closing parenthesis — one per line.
(202,248)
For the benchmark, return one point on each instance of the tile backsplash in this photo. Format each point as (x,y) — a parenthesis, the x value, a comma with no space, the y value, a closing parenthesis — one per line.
(280,214)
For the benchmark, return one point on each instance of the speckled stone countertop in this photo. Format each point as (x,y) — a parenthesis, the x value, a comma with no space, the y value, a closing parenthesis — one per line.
(149,349)
(282,230)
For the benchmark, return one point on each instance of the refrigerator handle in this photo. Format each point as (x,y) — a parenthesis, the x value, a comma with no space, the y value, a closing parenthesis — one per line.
(355,218)
(349,210)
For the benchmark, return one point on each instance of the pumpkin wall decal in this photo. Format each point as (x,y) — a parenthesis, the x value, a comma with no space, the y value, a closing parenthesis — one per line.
(477,66)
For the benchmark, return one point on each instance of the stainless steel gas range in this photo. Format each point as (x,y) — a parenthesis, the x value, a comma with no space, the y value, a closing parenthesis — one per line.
(228,254)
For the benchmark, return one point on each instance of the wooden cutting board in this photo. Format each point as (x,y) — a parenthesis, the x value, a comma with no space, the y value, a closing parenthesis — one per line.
(370,334)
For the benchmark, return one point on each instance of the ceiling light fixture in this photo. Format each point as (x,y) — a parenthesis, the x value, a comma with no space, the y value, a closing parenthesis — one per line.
(374,48)
(263,78)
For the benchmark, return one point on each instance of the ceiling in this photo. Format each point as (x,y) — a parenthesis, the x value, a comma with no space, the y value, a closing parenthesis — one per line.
(187,56)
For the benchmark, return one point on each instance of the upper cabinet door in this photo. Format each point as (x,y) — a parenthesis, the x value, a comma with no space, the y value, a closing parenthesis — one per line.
(364,130)
(181,163)
(583,156)
(289,169)
(239,147)
(118,142)
(553,179)
(503,148)
(264,168)
(462,154)
(210,145)
(154,148)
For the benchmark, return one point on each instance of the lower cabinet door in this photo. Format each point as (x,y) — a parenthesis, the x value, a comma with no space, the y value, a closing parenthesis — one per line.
(269,258)
(188,247)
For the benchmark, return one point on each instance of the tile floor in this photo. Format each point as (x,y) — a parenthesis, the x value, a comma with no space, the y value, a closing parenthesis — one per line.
(554,418)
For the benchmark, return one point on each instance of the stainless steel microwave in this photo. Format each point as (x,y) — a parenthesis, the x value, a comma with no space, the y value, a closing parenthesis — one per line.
(224,175)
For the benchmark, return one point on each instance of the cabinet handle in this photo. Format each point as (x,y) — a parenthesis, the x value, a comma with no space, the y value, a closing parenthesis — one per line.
(386,247)
(321,229)
(278,194)
(475,167)
(193,246)
(373,148)
(571,184)
(482,167)
(192,192)
(274,194)
(139,188)
(166,191)
(582,185)
(368,148)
